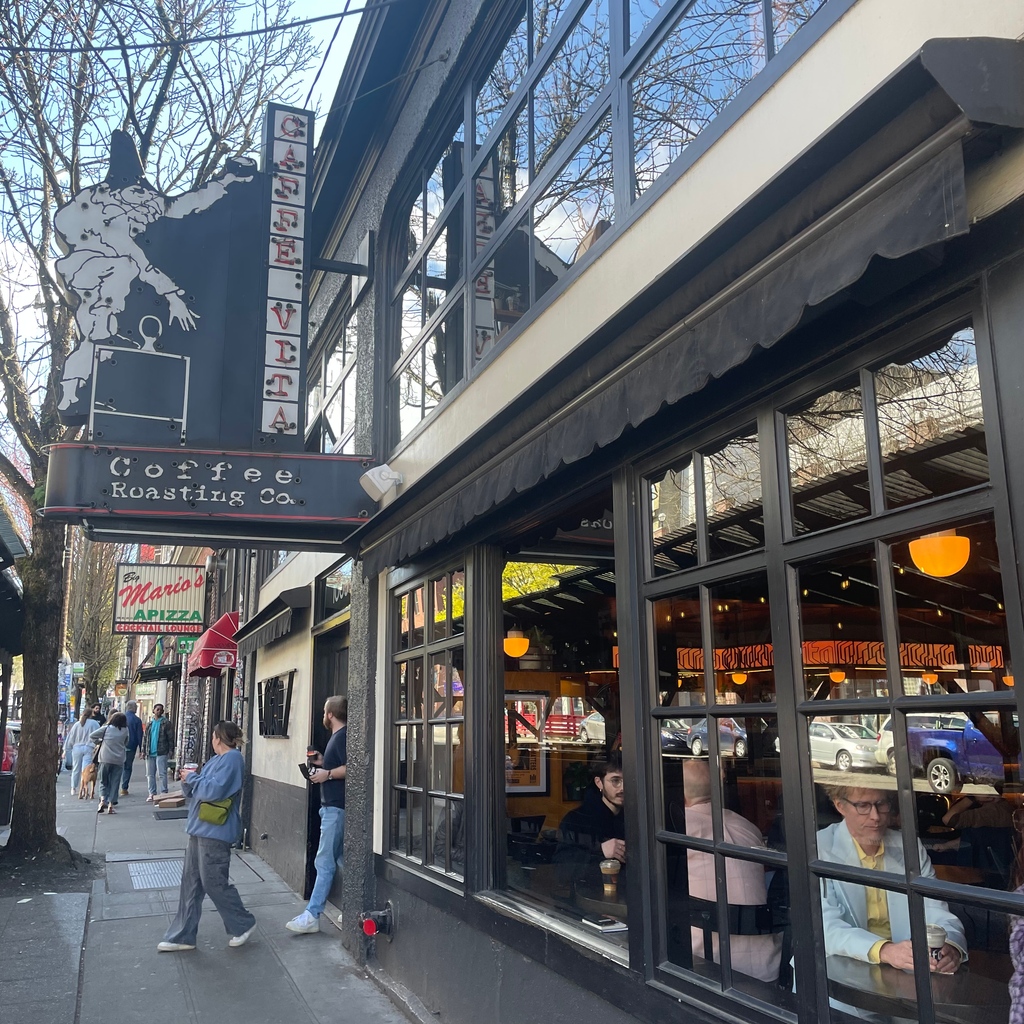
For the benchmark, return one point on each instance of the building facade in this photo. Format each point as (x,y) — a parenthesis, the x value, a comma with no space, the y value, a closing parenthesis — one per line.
(693,331)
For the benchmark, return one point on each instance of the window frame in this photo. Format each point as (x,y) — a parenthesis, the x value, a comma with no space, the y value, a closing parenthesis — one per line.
(624,59)
(783,555)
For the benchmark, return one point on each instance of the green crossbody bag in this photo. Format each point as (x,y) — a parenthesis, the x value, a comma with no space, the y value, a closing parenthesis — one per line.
(215,812)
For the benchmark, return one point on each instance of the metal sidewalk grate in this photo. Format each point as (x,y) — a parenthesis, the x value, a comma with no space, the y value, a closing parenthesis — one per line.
(155,874)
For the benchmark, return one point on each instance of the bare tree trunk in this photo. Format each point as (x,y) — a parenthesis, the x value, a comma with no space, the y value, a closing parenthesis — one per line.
(33,828)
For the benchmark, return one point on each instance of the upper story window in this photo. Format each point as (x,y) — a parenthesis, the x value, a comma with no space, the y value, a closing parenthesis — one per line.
(331,392)
(487,230)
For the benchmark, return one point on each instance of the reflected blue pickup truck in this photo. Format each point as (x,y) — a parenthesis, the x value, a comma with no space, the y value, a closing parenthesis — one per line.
(950,749)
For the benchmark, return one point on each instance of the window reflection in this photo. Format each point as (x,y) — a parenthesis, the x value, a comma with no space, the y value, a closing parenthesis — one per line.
(742,639)
(640,13)
(571,81)
(502,81)
(732,497)
(713,51)
(673,511)
(931,422)
(841,627)
(576,208)
(502,293)
(788,16)
(680,650)
(952,628)
(827,450)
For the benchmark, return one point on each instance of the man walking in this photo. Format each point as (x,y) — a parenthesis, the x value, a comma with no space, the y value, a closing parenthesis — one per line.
(131,751)
(330,777)
(157,742)
(97,714)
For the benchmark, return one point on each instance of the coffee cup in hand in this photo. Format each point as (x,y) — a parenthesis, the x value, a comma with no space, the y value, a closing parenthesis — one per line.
(610,869)
(936,940)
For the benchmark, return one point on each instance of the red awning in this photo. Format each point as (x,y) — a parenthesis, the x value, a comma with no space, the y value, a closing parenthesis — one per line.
(215,650)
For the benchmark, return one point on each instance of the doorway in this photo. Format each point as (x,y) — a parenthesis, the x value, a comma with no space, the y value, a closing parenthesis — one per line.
(330,677)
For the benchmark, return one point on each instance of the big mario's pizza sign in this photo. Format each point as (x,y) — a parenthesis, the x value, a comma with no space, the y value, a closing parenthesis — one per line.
(164,599)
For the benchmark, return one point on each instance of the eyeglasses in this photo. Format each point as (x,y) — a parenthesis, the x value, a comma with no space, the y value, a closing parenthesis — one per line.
(864,806)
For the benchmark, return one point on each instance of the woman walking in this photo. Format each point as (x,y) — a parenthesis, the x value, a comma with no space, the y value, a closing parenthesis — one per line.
(79,748)
(214,823)
(112,741)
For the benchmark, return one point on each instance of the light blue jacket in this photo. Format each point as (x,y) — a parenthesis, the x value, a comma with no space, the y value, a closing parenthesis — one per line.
(218,779)
(844,905)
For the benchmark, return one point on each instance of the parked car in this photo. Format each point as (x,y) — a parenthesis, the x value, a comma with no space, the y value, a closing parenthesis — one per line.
(592,728)
(565,718)
(732,737)
(9,761)
(675,735)
(843,745)
(884,748)
(949,749)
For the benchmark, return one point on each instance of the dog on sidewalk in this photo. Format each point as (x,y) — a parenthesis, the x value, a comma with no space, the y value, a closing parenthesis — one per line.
(87,790)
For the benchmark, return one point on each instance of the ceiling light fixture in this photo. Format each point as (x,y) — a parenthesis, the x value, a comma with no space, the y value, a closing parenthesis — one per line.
(516,643)
(940,554)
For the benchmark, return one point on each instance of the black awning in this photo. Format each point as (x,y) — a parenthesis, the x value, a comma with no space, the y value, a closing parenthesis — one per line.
(272,622)
(926,207)
(153,673)
(12,614)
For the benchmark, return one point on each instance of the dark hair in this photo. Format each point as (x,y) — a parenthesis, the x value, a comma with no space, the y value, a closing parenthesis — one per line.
(118,721)
(160,706)
(337,706)
(228,733)
(606,767)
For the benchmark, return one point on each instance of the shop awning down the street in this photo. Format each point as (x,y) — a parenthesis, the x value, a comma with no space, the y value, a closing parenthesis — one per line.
(215,650)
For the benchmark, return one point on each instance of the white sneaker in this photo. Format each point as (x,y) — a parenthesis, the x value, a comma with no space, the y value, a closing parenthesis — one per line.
(173,947)
(304,924)
(240,940)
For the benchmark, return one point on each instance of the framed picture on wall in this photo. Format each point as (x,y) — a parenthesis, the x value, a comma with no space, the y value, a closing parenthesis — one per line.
(526,759)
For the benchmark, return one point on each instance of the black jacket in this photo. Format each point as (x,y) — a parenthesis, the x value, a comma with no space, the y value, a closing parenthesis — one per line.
(164,741)
(580,836)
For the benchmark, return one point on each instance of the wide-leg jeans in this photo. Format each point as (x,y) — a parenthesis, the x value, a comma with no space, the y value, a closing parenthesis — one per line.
(329,856)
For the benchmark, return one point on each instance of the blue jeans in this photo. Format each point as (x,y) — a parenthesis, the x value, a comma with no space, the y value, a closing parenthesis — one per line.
(81,755)
(329,856)
(129,757)
(110,779)
(156,766)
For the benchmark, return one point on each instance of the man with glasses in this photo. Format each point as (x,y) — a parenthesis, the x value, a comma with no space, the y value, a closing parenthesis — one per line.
(869,923)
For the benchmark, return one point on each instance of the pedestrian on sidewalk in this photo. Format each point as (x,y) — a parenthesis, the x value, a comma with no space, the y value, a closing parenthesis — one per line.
(134,742)
(157,742)
(208,854)
(330,777)
(97,714)
(78,746)
(110,740)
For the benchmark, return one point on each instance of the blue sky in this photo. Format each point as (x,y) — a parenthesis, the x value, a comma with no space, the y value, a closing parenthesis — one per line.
(325,87)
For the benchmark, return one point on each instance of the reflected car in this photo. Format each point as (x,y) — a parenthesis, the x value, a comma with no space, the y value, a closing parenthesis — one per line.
(732,737)
(592,728)
(842,745)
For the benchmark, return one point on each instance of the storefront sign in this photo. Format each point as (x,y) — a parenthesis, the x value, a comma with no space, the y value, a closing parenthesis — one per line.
(161,599)
(145,690)
(192,322)
(185,646)
(161,486)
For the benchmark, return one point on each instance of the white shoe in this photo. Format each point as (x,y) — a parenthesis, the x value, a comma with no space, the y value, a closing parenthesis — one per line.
(240,940)
(173,947)
(304,924)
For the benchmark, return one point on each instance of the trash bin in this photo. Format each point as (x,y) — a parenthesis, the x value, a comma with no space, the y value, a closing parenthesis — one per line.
(6,798)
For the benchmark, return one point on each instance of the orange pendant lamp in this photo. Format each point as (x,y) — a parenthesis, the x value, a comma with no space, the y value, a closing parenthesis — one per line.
(940,554)
(516,643)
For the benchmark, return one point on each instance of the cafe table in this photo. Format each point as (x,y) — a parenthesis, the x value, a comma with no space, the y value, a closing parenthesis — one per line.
(960,998)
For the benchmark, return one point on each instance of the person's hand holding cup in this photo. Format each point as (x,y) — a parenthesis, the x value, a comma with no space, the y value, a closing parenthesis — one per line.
(187,769)
(943,958)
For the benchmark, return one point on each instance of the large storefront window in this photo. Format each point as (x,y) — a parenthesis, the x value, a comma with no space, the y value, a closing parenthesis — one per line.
(548,111)
(428,720)
(872,590)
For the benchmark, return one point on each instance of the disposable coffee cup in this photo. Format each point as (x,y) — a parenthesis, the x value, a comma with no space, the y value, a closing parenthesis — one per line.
(936,940)
(190,766)
(610,875)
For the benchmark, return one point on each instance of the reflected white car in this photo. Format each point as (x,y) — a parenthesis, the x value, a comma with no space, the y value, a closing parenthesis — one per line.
(592,728)
(842,745)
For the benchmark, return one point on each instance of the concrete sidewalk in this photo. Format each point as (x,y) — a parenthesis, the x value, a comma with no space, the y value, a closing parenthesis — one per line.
(91,958)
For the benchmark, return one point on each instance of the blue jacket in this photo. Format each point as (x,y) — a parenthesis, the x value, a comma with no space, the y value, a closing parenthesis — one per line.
(218,779)
(134,730)
(844,904)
